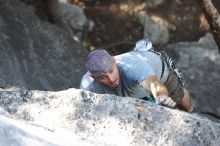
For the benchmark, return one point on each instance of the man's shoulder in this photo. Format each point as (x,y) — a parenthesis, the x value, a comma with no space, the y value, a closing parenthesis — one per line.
(131,58)
(88,83)
(124,55)
(134,66)
(130,61)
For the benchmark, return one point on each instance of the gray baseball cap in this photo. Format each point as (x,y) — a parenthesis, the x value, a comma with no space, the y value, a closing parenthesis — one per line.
(99,63)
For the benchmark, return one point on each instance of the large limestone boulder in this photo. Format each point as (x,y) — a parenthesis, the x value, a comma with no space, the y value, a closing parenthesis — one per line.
(21,133)
(76,19)
(155,28)
(34,53)
(200,64)
(107,119)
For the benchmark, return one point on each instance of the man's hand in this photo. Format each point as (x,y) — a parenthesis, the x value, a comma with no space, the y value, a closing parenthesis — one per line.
(158,90)
(166,101)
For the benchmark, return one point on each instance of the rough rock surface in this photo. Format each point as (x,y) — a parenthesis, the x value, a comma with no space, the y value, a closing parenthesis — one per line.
(36,54)
(155,28)
(20,133)
(108,120)
(76,19)
(200,64)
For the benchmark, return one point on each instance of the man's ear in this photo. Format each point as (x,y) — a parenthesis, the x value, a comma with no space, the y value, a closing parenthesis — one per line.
(91,76)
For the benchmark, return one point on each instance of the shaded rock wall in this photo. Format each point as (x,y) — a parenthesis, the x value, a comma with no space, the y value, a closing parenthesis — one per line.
(200,64)
(109,120)
(34,53)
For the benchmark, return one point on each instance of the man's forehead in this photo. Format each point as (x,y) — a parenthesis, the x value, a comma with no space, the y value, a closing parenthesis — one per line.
(105,75)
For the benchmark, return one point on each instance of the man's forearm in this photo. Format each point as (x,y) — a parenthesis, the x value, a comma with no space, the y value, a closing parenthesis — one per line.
(158,89)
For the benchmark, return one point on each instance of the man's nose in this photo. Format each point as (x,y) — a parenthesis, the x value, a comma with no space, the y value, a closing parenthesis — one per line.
(111,78)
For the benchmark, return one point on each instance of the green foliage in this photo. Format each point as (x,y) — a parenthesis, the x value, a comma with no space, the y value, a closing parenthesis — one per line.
(86,43)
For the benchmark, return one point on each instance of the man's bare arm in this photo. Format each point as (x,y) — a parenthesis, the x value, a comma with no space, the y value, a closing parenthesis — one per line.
(158,90)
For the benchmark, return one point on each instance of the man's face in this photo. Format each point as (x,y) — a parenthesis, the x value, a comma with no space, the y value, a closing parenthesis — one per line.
(111,78)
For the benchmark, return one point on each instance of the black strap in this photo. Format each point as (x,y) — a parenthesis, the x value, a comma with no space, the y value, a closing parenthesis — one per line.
(163,65)
(163,68)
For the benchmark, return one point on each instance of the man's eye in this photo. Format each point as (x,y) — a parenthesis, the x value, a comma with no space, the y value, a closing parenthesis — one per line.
(111,71)
(102,78)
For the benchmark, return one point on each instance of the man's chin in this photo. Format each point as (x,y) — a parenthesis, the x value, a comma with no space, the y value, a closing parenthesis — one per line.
(115,86)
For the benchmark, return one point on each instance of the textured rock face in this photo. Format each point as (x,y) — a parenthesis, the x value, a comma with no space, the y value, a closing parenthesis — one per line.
(34,53)
(20,133)
(155,28)
(109,120)
(200,64)
(76,19)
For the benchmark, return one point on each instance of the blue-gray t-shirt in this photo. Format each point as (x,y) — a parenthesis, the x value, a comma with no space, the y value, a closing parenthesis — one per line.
(134,67)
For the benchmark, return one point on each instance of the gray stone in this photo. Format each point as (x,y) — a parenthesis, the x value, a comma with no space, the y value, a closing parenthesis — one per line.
(110,120)
(76,19)
(200,64)
(155,28)
(21,133)
(36,54)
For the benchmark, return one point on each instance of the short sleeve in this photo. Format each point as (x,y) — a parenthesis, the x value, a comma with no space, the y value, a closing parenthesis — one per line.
(88,83)
(140,71)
